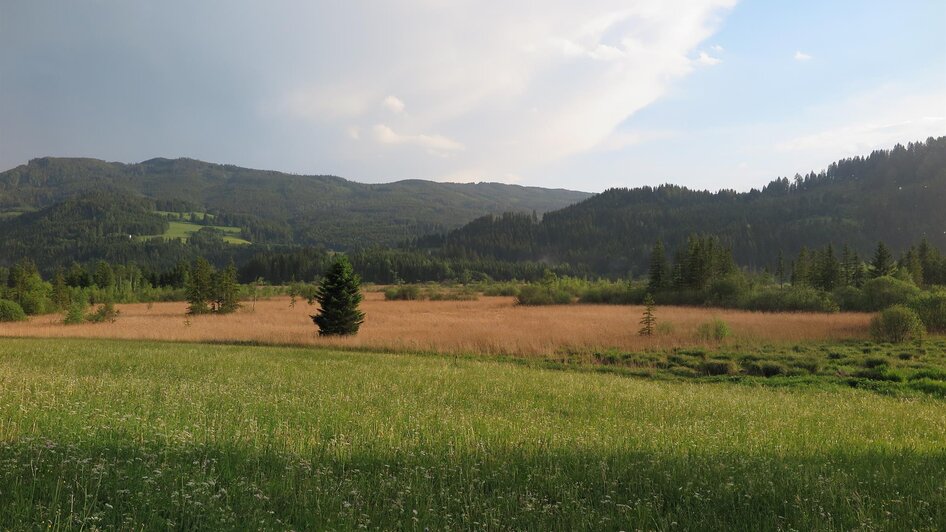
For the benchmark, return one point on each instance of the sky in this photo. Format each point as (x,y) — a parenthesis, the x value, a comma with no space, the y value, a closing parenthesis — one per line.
(555,93)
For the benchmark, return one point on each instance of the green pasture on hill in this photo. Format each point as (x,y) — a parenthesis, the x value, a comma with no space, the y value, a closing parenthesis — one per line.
(183,231)
(145,435)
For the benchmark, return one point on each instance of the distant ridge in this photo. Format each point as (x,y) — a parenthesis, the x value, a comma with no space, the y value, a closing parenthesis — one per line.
(896,195)
(276,207)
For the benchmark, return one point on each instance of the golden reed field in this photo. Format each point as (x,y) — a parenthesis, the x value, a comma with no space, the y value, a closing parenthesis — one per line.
(491,325)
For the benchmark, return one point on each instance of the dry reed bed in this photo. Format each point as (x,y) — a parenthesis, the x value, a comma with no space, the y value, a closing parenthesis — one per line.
(491,325)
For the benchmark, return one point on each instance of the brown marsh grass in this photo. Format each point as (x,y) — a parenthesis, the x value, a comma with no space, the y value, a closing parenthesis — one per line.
(490,325)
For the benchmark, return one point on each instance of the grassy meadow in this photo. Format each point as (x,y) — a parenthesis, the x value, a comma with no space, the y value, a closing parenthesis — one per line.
(125,435)
(486,326)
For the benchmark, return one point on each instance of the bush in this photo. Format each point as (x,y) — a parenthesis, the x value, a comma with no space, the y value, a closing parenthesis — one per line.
(11,311)
(729,291)
(848,298)
(464,294)
(931,308)
(501,289)
(76,312)
(716,330)
(896,324)
(613,293)
(884,292)
(542,295)
(404,292)
(791,299)
(105,313)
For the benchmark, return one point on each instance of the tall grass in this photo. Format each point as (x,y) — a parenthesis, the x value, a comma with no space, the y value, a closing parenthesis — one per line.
(490,325)
(98,434)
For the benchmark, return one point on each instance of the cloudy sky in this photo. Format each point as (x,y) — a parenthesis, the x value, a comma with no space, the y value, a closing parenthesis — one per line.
(582,95)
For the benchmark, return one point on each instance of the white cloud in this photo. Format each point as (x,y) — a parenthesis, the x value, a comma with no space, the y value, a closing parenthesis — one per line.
(718,49)
(874,120)
(435,143)
(476,71)
(354,132)
(801,56)
(394,104)
(619,140)
(708,60)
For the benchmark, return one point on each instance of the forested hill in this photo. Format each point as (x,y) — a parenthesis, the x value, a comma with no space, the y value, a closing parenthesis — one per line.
(274,207)
(897,195)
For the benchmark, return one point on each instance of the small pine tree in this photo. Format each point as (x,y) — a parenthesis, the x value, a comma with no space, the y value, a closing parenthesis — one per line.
(199,287)
(225,288)
(339,295)
(61,295)
(780,268)
(659,272)
(648,321)
(883,263)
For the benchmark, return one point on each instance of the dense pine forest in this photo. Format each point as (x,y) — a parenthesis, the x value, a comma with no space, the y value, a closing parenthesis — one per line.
(892,195)
(59,213)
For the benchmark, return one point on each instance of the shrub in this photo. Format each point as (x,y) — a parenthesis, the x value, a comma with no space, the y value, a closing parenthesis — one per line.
(404,292)
(849,298)
(542,295)
(931,308)
(718,367)
(105,313)
(464,294)
(729,291)
(11,311)
(75,314)
(884,292)
(501,289)
(716,330)
(791,299)
(896,324)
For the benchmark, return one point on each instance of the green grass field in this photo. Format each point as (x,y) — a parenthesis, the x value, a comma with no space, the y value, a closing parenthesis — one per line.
(183,231)
(116,434)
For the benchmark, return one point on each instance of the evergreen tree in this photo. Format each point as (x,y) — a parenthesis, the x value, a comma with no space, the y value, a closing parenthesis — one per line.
(828,270)
(339,295)
(660,275)
(801,273)
(104,276)
(199,288)
(780,268)
(648,321)
(60,295)
(910,262)
(883,263)
(225,290)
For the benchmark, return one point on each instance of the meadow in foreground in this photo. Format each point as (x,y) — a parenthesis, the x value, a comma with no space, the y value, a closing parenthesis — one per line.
(116,434)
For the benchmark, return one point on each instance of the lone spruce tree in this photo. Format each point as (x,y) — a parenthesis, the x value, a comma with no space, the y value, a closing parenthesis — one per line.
(338,295)
(648,321)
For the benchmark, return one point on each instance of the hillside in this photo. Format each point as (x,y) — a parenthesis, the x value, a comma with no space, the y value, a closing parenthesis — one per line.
(274,207)
(893,195)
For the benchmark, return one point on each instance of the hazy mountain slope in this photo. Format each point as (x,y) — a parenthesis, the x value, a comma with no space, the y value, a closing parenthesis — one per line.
(279,207)
(897,195)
